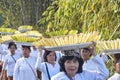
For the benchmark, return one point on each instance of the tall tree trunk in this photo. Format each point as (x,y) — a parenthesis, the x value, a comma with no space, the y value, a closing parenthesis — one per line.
(32,10)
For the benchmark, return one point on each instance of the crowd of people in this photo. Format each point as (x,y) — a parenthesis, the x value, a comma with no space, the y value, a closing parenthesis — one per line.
(25,62)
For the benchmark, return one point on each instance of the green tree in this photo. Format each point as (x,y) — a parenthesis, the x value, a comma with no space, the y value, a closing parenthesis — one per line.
(22,12)
(1,20)
(84,16)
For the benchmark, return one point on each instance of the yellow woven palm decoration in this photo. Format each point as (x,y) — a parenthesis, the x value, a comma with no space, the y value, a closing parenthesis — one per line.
(109,45)
(70,39)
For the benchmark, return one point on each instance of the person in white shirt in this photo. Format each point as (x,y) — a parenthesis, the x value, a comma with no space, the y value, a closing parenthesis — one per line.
(104,56)
(88,63)
(116,65)
(10,60)
(59,54)
(49,67)
(25,66)
(2,55)
(19,48)
(34,51)
(71,66)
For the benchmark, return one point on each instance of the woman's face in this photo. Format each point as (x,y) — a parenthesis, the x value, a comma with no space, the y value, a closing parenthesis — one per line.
(26,52)
(12,49)
(85,54)
(71,67)
(51,57)
(117,67)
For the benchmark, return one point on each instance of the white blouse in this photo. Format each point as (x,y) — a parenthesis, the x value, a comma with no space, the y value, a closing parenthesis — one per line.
(116,76)
(101,74)
(62,76)
(89,65)
(23,71)
(9,63)
(34,53)
(2,53)
(58,55)
(53,70)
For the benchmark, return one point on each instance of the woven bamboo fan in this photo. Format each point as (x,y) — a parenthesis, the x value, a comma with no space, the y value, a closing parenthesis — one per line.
(23,38)
(74,40)
(6,31)
(25,28)
(109,47)
(34,33)
(69,47)
(6,39)
(24,43)
(109,52)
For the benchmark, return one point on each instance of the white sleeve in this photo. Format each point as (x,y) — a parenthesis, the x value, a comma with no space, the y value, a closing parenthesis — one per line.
(5,62)
(16,71)
(102,72)
(58,55)
(104,57)
(39,65)
(2,52)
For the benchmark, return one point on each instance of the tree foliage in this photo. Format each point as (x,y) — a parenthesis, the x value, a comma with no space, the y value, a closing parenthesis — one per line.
(22,12)
(84,16)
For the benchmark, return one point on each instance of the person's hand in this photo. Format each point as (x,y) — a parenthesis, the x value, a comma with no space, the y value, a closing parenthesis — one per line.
(62,51)
(0,77)
(93,48)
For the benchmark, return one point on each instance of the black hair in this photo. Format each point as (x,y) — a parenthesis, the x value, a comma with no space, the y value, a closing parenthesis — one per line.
(12,44)
(116,58)
(116,61)
(47,52)
(88,49)
(63,59)
(24,46)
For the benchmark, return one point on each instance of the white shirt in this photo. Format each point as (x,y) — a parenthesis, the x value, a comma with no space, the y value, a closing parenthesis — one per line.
(34,53)
(102,73)
(58,55)
(116,76)
(9,63)
(23,71)
(89,65)
(63,76)
(2,53)
(5,46)
(104,56)
(52,69)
